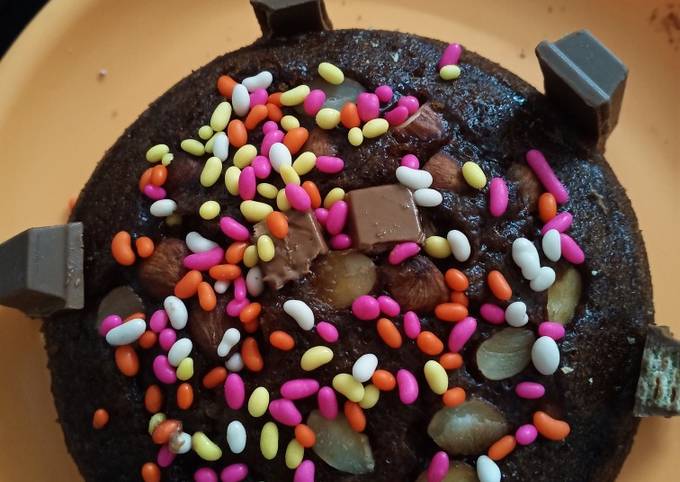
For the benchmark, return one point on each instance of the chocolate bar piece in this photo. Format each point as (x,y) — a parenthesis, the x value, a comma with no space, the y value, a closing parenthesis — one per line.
(658,390)
(381,216)
(121,301)
(42,270)
(586,80)
(294,253)
(281,18)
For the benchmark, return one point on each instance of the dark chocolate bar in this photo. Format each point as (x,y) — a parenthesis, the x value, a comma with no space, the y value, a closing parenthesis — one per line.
(281,18)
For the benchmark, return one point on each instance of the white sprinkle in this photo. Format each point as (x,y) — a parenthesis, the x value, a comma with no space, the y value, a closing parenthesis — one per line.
(221,287)
(198,244)
(460,245)
(260,81)
(126,333)
(177,312)
(364,367)
(544,280)
(525,255)
(516,314)
(427,198)
(220,147)
(413,178)
(240,100)
(235,363)
(487,470)
(179,350)
(279,155)
(545,355)
(180,443)
(229,340)
(236,437)
(552,246)
(300,312)
(163,208)
(254,281)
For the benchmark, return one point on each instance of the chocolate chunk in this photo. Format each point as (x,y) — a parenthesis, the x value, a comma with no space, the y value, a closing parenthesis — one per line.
(294,253)
(121,301)
(42,270)
(658,390)
(382,216)
(280,18)
(586,80)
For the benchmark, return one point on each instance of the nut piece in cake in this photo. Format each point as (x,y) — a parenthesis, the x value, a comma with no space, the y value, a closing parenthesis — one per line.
(159,273)
(446,173)
(416,284)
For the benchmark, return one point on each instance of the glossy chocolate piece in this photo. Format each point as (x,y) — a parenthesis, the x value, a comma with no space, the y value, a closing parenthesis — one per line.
(658,390)
(42,270)
(281,18)
(586,80)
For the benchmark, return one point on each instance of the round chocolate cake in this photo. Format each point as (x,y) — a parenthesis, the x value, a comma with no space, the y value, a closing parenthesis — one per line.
(321,258)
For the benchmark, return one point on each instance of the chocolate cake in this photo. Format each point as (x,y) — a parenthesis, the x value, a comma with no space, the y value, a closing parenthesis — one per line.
(422,272)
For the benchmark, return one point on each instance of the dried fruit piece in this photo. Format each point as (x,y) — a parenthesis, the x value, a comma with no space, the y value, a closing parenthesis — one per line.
(458,472)
(446,173)
(159,273)
(341,277)
(528,185)
(467,429)
(506,353)
(564,296)
(339,446)
(416,284)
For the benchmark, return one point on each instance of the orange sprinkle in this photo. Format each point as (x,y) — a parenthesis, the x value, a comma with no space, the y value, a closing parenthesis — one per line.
(384,380)
(281,340)
(100,418)
(225,85)
(252,326)
(250,353)
(277,224)
(429,343)
(274,112)
(456,280)
(145,178)
(139,315)
(551,428)
(349,115)
(206,296)
(127,360)
(188,285)
(121,249)
(147,340)
(164,430)
(295,139)
(460,298)
(450,311)
(256,115)
(215,377)
(547,207)
(499,285)
(355,416)
(153,399)
(145,247)
(151,472)
(275,98)
(502,447)
(451,361)
(225,272)
(313,192)
(234,254)
(305,435)
(389,333)
(237,133)
(185,396)
(454,397)
(250,313)
(159,174)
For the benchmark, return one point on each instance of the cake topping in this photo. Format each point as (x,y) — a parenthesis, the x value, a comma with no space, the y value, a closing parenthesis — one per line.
(658,384)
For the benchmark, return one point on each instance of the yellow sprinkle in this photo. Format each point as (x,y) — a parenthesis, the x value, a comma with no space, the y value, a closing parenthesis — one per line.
(205,132)
(205,448)
(328,118)
(156,153)
(289,122)
(355,136)
(474,175)
(294,454)
(282,201)
(436,377)
(255,211)
(295,96)
(250,257)
(155,421)
(375,128)
(347,385)
(210,143)
(289,175)
(258,402)
(174,219)
(304,163)
(211,172)
(335,194)
(185,369)
(167,158)
(315,357)
(220,116)
(437,247)
(209,210)
(331,74)
(231,176)
(193,147)
(267,190)
(371,397)
(449,72)
(269,440)
(244,155)
(265,248)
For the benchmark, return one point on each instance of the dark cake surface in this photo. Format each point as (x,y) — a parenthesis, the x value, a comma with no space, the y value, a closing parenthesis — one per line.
(488,116)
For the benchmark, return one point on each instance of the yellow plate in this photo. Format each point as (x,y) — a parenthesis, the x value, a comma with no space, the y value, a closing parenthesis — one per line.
(58,116)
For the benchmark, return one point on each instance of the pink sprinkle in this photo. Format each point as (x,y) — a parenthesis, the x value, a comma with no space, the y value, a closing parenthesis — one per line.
(321,215)
(327,331)
(368,106)
(165,457)
(261,166)
(402,252)
(526,434)
(547,176)
(530,390)
(270,139)
(340,242)
(329,164)
(411,325)
(571,251)
(299,388)
(234,391)
(384,93)
(439,467)
(109,323)
(366,307)
(494,314)
(166,338)
(233,229)
(204,261)
(205,474)
(561,222)
(337,217)
(397,116)
(328,403)
(314,101)
(247,184)
(551,329)
(240,288)
(410,102)
(408,386)
(451,55)
(154,192)
(388,305)
(298,197)
(410,160)
(258,97)
(163,370)
(461,333)
(269,126)
(234,307)
(158,321)
(305,472)
(498,197)
(285,412)
(234,473)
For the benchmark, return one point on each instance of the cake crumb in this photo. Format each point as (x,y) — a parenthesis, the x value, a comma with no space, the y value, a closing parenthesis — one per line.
(631,340)
(566,370)
(590,380)
(101,75)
